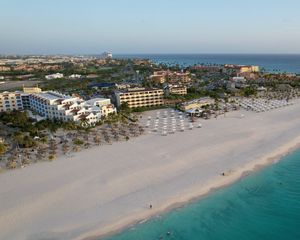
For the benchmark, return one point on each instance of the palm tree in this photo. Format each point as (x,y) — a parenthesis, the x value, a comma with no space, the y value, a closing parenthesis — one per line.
(3,149)
(97,140)
(65,148)
(11,164)
(84,122)
(87,145)
(44,140)
(25,161)
(40,155)
(75,148)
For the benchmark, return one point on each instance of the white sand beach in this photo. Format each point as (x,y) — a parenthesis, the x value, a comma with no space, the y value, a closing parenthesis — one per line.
(103,189)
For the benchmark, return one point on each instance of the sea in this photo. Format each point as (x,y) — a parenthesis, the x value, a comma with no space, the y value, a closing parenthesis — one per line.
(265,205)
(275,63)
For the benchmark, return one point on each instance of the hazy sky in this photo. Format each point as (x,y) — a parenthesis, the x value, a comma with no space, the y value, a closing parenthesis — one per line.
(149,26)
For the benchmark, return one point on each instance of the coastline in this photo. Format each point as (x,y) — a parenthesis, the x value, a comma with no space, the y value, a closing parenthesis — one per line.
(101,191)
(256,165)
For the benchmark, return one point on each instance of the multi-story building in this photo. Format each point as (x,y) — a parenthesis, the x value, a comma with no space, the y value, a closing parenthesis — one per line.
(54,105)
(140,97)
(207,68)
(161,77)
(175,89)
(10,101)
(179,77)
(239,69)
(25,101)
(5,69)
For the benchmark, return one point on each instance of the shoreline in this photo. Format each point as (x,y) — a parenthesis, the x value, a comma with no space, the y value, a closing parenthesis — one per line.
(245,171)
(101,191)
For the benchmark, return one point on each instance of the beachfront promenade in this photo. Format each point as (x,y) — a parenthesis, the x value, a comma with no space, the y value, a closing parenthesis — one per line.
(102,189)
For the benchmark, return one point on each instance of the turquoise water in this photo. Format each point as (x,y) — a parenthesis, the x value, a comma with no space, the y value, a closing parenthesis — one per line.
(264,205)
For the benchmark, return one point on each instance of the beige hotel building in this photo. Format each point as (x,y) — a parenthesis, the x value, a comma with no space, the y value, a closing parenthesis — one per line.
(10,101)
(140,97)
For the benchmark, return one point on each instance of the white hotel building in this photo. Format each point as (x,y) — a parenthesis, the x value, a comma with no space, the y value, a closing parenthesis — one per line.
(54,76)
(54,105)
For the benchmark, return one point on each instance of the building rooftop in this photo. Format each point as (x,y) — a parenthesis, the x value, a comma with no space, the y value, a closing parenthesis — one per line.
(52,95)
(94,100)
(129,90)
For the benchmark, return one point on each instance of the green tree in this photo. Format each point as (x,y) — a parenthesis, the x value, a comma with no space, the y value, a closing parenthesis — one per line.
(3,149)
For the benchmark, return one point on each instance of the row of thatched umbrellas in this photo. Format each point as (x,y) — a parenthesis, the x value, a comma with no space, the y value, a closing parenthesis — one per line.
(73,142)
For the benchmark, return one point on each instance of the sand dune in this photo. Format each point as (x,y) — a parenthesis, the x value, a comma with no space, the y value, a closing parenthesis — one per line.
(106,188)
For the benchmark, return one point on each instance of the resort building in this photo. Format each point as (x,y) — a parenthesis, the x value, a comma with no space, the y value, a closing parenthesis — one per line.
(175,89)
(140,97)
(179,78)
(239,69)
(207,68)
(10,101)
(54,105)
(196,104)
(161,77)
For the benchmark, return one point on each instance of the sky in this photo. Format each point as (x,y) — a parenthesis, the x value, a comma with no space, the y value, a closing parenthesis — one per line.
(149,26)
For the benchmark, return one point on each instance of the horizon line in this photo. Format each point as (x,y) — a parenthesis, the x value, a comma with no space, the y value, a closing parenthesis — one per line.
(132,54)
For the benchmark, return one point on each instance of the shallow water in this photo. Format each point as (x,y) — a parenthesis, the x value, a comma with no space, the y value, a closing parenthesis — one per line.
(264,205)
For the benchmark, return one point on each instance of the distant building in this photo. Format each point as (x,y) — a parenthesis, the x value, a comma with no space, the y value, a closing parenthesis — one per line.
(10,101)
(75,76)
(175,89)
(240,69)
(161,77)
(122,86)
(91,76)
(4,69)
(207,68)
(107,55)
(54,76)
(179,77)
(140,97)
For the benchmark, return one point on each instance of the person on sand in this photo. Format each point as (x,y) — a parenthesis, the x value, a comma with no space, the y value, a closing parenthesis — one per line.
(150,206)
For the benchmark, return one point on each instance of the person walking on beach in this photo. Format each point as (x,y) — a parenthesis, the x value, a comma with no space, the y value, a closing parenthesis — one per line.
(150,206)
